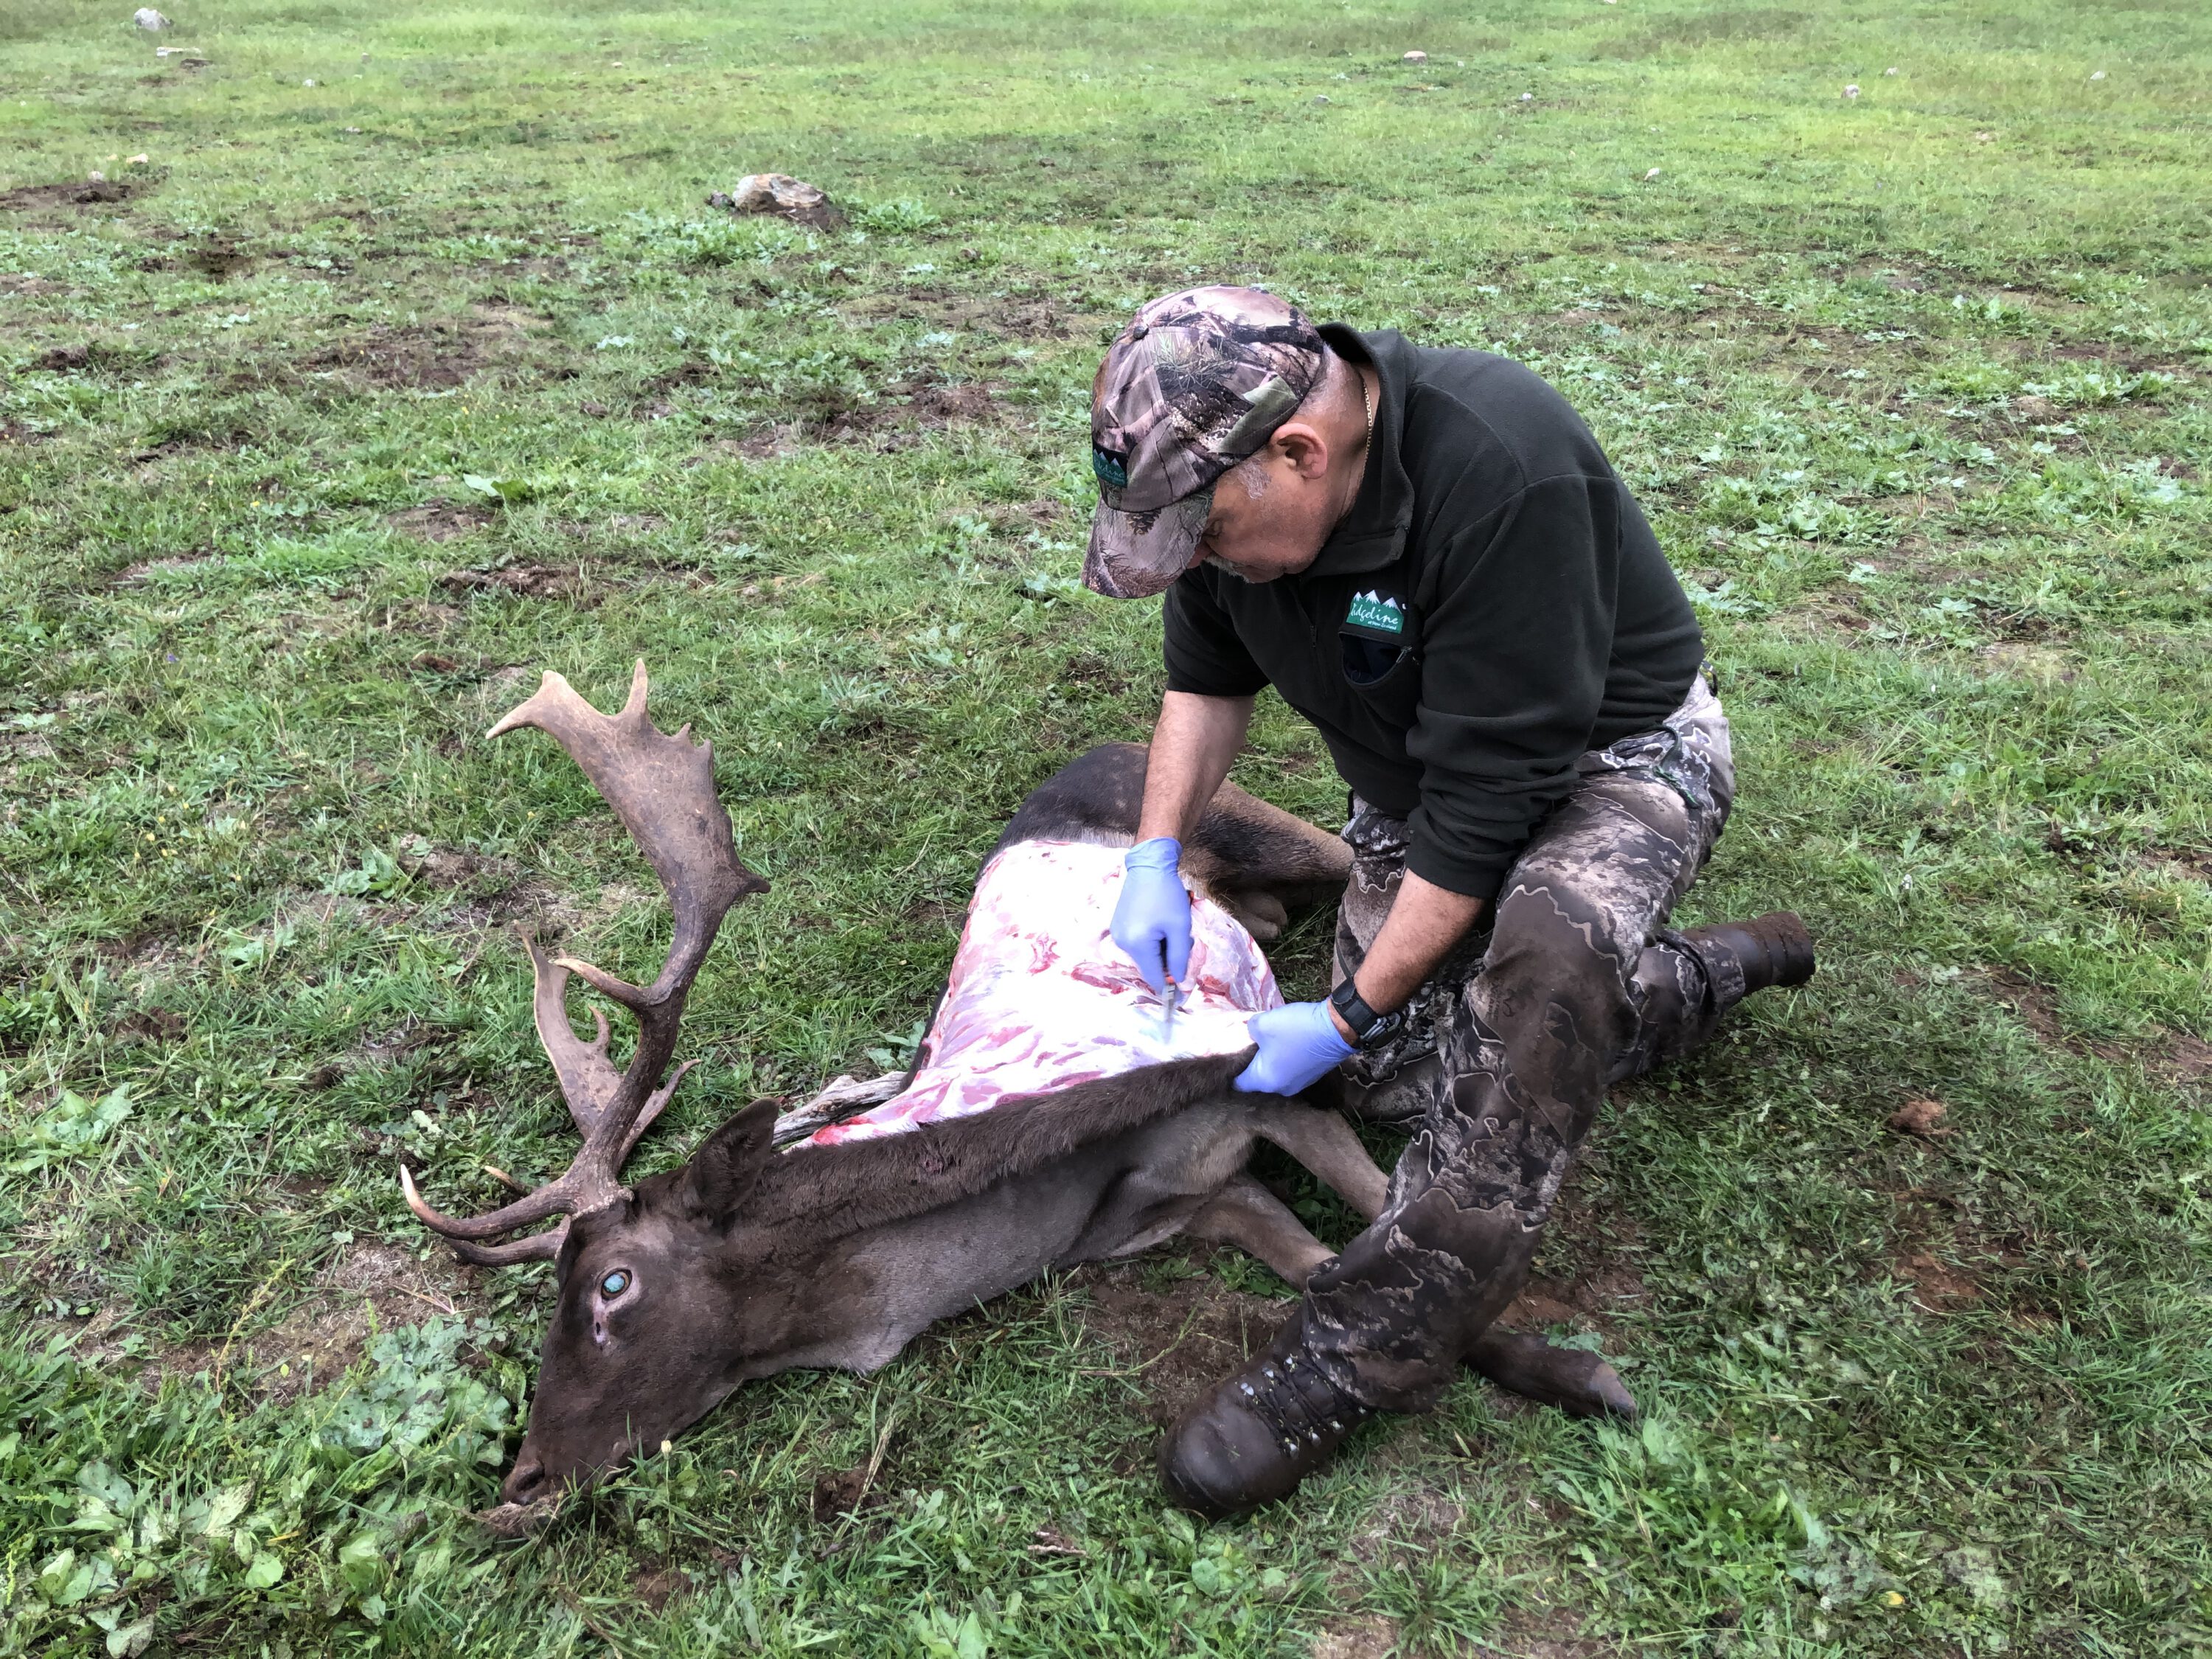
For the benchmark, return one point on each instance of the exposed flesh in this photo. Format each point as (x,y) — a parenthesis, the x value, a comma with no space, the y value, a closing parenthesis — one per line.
(1040,996)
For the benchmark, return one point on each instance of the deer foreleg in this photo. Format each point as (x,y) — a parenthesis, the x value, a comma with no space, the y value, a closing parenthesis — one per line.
(1324,1143)
(1246,1214)
(1580,1384)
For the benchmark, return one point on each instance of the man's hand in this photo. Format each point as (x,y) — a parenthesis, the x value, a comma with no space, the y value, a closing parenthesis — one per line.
(1299,1043)
(1151,919)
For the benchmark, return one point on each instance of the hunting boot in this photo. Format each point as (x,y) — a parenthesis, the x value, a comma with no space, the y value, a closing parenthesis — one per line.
(1253,1437)
(1740,957)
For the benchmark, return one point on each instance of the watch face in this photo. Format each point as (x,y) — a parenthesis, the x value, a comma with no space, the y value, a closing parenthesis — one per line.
(1385,1027)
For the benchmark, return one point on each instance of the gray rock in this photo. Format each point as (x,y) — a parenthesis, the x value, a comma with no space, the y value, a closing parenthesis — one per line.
(147,18)
(781,194)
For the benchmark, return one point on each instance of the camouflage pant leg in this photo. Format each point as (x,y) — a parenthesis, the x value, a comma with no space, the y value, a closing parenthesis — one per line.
(1394,1084)
(1578,986)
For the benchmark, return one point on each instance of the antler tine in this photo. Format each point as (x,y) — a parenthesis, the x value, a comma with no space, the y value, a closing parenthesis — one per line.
(654,1106)
(575,1192)
(539,1247)
(589,1082)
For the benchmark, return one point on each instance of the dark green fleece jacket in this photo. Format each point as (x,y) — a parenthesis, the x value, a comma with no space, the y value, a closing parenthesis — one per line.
(1493,605)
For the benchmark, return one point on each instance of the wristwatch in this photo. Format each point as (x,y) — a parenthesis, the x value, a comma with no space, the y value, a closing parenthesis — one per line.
(1369,1028)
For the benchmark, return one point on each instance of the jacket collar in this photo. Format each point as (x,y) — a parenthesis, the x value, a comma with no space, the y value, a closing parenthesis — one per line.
(1373,534)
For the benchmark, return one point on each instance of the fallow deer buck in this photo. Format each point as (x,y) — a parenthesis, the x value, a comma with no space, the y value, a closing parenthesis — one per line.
(748,1261)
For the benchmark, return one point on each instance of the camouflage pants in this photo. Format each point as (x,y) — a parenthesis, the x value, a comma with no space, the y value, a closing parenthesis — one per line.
(1509,1046)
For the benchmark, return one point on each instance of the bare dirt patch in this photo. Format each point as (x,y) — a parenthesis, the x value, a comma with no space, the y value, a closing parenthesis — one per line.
(98,192)
(1551,1632)
(428,356)
(1374,1637)
(367,1289)
(1014,317)
(2030,661)
(902,417)
(529,581)
(1937,1285)
(657,1586)
(2176,1059)
(151,1026)
(454,866)
(1599,1245)
(220,260)
(1173,1343)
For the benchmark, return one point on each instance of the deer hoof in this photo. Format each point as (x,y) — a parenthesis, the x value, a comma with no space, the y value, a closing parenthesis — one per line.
(1578,1384)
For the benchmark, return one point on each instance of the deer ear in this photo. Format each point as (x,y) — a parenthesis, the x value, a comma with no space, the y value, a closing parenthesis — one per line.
(722,1172)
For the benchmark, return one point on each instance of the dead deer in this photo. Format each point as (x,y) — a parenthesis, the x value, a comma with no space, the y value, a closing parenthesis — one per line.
(748,1261)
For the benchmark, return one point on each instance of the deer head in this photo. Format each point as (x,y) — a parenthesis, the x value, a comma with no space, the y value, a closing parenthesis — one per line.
(635,1290)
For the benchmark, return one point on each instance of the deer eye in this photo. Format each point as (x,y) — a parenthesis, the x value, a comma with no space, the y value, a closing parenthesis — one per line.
(614,1284)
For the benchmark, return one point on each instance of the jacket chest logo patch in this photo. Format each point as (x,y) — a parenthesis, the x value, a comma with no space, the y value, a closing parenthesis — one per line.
(1379,611)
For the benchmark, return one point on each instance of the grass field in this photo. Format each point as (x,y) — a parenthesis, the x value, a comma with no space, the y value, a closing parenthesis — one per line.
(407,361)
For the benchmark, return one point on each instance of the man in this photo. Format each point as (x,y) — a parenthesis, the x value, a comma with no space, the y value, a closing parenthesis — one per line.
(1427,554)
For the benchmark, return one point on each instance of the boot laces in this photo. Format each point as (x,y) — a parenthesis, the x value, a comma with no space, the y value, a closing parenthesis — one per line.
(1298,1403)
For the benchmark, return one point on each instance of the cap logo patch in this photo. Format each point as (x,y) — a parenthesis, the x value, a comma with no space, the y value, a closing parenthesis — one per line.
(1379,611)
(1112,472)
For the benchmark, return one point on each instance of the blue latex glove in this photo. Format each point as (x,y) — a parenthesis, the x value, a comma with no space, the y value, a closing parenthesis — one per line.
(1151,920)
(1300,1044)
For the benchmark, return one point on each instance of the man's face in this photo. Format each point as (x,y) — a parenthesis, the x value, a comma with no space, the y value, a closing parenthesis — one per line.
(1270,518)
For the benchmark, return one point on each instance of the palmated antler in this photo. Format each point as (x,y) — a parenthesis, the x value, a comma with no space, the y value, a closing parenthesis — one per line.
(662,787)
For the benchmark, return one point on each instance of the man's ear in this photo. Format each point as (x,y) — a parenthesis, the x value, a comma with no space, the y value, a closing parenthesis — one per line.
(1303,447)
(723,1172)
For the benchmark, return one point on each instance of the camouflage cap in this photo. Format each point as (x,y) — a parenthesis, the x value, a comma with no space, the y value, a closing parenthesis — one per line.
(1198,381)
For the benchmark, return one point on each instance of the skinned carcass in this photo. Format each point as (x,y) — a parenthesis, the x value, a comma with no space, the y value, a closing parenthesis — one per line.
(1058,1112)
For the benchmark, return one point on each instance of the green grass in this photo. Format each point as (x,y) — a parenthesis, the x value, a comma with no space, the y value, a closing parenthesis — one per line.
(1913,385)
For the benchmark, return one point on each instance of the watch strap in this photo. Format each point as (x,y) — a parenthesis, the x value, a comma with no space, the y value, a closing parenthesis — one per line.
(1364,1021)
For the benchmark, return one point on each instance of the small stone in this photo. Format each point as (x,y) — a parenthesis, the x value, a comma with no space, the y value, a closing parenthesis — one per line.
(1527,97)
(1649,176)
(2097,76)
(138,160)
(95,177)
(352,130)
(1891,69)
(147,18)
(784,195)
(1852,90)
(1923,1118)
(1320,98)
(1417,58)
(309,82)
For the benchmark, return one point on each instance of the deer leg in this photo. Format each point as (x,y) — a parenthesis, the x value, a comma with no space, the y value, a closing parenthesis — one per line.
(1580,1384)
(1324,1143)
(1246,1214)
(1261,912)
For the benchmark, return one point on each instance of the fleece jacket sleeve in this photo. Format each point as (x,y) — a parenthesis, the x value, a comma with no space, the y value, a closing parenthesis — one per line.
(1515,650)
